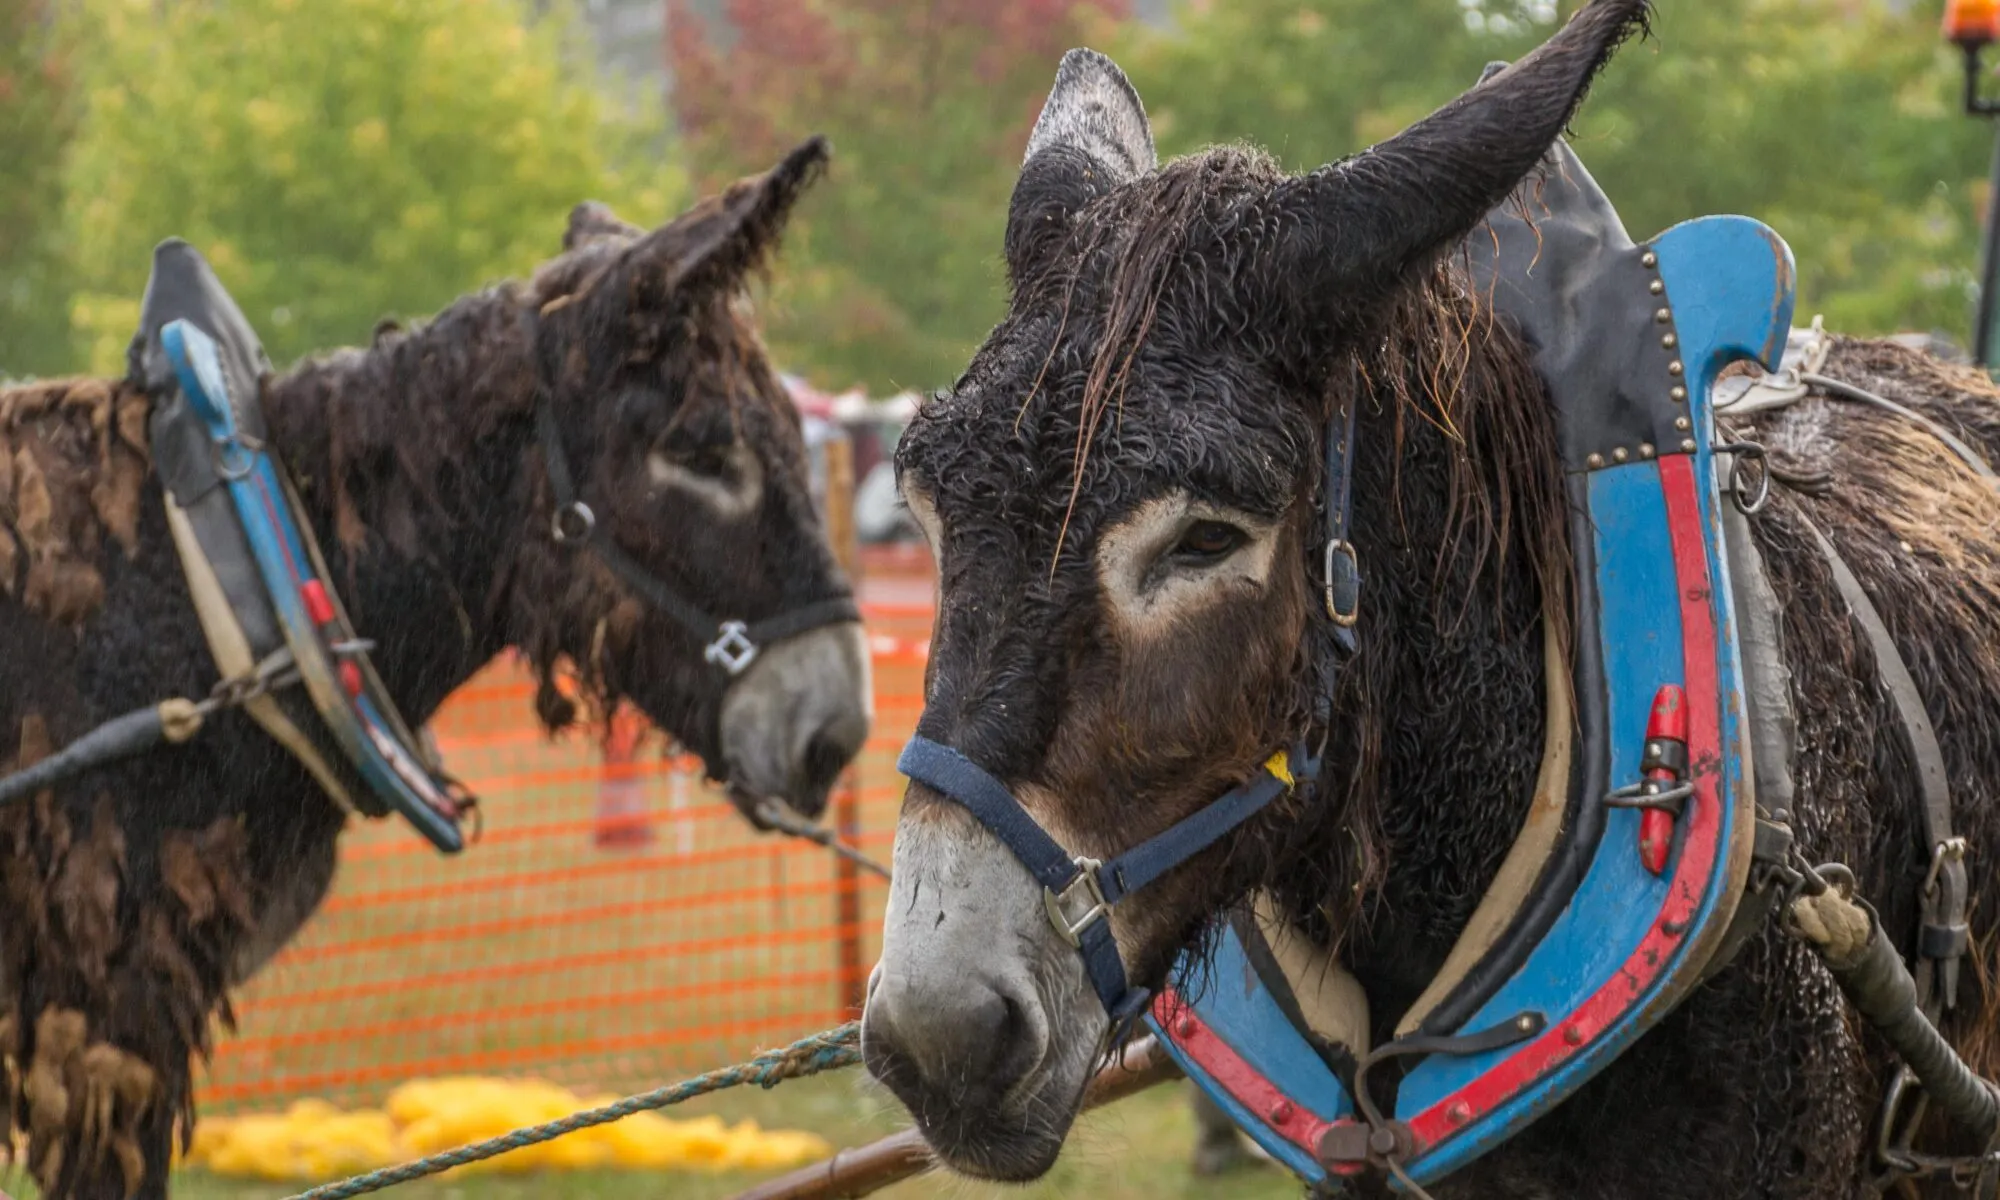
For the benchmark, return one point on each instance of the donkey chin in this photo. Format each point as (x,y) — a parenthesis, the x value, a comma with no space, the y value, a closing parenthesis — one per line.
(979,1016)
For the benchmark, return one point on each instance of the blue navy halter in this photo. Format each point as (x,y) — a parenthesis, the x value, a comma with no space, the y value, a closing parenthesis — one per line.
(1079,892)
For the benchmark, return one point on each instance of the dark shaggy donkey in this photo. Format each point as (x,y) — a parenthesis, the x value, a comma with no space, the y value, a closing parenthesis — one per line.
(133,898)
(1122,491)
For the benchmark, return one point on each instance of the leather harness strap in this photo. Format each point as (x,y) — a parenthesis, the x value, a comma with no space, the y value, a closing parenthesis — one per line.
(1943,937)
(731,645)
(1341,570)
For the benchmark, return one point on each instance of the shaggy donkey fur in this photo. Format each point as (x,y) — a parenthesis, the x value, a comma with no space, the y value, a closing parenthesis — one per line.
(1187,327)
(134,897)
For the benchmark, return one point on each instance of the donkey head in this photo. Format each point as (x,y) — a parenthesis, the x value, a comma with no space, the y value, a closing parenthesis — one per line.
(1122,496)
(691,501)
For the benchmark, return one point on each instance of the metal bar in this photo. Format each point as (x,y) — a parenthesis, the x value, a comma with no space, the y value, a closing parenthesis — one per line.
(1985,335)
(847,791)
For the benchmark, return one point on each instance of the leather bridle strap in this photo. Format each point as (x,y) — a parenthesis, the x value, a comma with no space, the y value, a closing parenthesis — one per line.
(1341,569)
(731,645)
(1079,892)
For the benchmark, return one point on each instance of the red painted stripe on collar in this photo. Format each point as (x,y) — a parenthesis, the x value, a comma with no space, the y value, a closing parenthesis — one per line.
(1538,1058)
(1248,1086)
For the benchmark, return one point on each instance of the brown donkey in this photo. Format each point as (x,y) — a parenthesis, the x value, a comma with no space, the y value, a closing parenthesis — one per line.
(1122,493)
(134,897)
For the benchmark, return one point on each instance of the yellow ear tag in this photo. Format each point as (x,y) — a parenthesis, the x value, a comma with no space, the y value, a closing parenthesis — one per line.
(1280,765)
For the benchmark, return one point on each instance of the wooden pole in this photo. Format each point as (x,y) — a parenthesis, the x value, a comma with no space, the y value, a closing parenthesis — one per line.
(851,973)
(902,1155)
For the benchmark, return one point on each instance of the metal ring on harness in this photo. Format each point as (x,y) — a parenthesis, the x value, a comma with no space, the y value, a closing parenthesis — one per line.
(572,522)
(226,466)
(1740,453)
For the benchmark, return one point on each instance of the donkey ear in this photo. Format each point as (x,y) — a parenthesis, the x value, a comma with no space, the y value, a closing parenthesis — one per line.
(725,237)
(591,222)
(1092,136)
(1350,235)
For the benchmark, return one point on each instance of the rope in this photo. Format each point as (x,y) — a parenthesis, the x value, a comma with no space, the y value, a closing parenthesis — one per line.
(780,816)
(832,1049)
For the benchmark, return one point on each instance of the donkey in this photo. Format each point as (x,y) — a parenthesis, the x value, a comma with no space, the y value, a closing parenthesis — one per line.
(133,899)
(1122,494)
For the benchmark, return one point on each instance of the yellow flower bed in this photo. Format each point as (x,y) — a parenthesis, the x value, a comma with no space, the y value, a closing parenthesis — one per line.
(313,1141)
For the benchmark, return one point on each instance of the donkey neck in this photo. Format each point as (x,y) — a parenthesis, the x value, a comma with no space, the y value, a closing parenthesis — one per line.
(1444,707)
(408,458)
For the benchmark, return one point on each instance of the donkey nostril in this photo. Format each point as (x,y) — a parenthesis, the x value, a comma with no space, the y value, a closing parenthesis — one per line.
(977,1041)
(823,761)
(827,753)
(1014,1049)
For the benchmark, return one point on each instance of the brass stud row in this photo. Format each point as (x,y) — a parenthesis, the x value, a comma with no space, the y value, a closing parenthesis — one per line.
(1619,454)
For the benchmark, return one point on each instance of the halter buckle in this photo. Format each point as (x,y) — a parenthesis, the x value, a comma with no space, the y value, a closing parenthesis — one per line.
(1342,573)
(732,649)
(1063,906)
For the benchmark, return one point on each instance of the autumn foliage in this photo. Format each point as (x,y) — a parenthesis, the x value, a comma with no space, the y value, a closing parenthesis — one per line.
(895,274)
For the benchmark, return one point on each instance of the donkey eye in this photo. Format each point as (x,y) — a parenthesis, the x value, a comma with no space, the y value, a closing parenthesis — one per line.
(710,462)
(1208,542)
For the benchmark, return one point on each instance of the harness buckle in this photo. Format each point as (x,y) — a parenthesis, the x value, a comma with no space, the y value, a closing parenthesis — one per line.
(732,649)
(1343,591)
(1950,850)
(1062,905)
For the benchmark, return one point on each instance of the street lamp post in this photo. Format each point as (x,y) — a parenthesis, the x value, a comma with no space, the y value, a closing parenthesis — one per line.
(1973,25)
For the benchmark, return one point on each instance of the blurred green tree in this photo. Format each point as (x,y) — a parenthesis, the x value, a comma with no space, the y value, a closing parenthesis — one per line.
(337,161)
(35,124)
(893,274)
(1836,122)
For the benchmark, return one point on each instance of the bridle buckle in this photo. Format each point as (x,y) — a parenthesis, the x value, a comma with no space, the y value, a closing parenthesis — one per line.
(732,649)
(1341,571)
(1062,906)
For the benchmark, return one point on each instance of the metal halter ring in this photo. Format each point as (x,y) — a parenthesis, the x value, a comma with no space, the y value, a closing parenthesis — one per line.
(572,522)
(732,649)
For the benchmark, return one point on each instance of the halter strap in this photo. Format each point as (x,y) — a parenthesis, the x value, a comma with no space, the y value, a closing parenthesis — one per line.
(1341,569)
(731,645)
(1079,892)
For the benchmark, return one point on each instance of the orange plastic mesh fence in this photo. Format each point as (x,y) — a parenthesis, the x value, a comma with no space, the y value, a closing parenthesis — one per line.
(617,924)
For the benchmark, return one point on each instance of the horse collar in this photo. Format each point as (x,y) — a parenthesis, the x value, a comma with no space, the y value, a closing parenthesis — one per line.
(731,645)
(1627,885)
(275,625)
